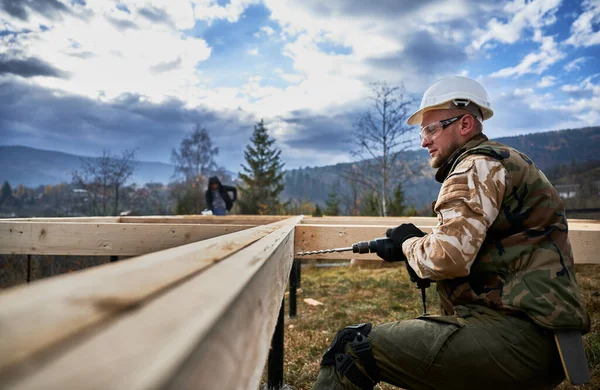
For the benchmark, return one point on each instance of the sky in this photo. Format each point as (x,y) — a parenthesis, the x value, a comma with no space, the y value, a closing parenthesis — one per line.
(85,76)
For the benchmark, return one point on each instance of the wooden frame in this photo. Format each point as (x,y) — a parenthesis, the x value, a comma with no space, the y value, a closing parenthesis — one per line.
(584,238)
(97,313)
(195,308)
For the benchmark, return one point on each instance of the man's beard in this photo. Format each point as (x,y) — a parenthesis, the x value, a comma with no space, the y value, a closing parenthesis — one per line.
(440,159)
(436,162)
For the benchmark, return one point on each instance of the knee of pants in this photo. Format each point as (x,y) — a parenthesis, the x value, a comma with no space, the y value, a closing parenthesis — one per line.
(351,354)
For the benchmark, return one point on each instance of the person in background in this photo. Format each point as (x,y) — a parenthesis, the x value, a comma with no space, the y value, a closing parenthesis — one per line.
(217,196)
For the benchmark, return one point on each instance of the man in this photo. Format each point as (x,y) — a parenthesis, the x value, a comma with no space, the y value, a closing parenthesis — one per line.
(500,256)
(217,196)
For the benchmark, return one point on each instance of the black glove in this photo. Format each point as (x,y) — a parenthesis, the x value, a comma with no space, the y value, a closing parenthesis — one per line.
(403,232)
(400,234)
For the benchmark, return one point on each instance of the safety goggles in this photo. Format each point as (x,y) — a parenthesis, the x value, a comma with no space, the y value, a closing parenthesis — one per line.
(429,130)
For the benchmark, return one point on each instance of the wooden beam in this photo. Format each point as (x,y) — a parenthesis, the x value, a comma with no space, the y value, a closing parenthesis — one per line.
(106,239)
(395,221)
(211,331)
(35,318)
(585,240)
(381,221)
(206,219)
(171,219)
(64,219)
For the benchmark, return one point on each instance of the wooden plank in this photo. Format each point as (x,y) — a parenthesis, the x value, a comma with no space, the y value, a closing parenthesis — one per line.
(35,317)
(202,219)
(380,221)
(585,240)
(395,221)
(104,239)
(585,244)
(211,332)
(64,219)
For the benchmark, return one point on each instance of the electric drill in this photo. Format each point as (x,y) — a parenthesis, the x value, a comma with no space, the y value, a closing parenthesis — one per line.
(386,250)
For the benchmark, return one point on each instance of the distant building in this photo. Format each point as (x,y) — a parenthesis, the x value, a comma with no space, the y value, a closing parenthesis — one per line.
(568,191)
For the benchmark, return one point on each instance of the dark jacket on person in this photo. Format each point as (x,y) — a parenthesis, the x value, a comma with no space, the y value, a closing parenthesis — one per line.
(223,190)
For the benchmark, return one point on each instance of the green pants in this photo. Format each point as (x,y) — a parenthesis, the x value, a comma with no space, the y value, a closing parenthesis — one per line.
(474,349)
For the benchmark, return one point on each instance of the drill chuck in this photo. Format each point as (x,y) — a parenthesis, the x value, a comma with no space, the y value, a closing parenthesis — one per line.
(365,247)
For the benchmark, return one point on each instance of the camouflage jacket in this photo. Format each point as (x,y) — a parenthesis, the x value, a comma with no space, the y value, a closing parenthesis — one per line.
(501,239)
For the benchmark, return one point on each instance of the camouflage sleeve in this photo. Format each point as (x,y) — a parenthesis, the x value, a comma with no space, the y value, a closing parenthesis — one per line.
(468,203)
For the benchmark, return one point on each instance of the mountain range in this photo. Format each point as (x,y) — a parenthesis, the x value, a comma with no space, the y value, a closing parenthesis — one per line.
(33,167)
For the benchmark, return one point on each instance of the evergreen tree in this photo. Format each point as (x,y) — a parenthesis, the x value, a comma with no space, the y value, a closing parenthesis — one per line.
(412,211)
(262,179)
(6,192)
(396,207)
(333,204)
(317,212)
(370,204)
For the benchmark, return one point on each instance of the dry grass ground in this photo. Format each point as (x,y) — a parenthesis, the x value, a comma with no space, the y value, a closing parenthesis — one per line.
(353,295)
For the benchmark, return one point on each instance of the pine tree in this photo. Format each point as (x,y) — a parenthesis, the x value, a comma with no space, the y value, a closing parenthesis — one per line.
(396,207)
(262,179)
(370,204)
(412,211)
(333,204)
(317,212)
(6,192)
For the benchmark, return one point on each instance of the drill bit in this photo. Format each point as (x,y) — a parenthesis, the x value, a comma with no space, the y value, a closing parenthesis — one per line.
(348,249)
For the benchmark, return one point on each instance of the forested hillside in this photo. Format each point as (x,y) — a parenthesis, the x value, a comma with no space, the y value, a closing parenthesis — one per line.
(553,148)
(549,150)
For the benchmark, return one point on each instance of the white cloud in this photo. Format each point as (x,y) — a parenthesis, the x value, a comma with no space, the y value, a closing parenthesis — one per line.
(585,106)
(368,34)
(210,10)
(536,62)
(291,78)
(570,88)
(586,85)
(521,15)
(582,30)
(252,52)
(546,81)
(267,30)
(523,91)
(151,58)
(575,64)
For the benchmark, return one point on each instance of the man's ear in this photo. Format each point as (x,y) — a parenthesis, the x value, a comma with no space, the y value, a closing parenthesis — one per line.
(467,125)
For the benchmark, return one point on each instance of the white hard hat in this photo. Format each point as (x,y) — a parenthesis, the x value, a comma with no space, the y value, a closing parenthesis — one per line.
(455,92)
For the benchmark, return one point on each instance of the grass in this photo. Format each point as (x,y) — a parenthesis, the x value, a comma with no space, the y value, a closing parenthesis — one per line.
(353,295)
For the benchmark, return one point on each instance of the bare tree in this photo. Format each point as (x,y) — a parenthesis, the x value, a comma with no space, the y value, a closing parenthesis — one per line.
(103,177)
(121,169)
(380,133)
(193,161)
(195,156)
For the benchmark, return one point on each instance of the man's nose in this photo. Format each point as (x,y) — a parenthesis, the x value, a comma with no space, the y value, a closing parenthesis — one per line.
(425,141)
